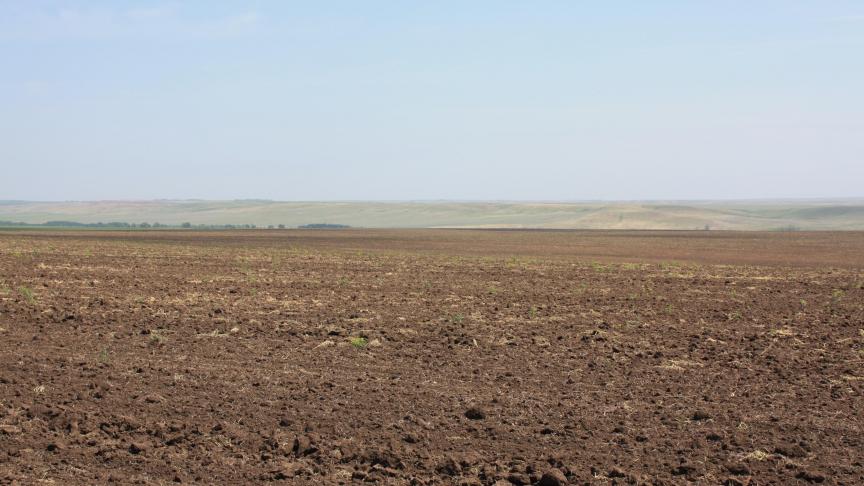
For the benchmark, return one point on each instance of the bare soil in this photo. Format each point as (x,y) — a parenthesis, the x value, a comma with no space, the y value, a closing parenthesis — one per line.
(431,357)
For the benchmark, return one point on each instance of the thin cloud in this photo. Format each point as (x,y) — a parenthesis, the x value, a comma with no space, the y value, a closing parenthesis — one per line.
(235,24)
(165,22)
(848,18)
(151,12)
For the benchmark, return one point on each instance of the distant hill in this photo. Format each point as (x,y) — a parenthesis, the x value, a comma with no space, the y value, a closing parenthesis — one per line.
(679,215)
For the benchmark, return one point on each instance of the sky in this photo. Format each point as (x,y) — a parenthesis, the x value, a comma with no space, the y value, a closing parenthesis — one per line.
(411,100)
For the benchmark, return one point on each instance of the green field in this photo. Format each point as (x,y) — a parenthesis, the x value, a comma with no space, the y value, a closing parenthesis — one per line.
(726,215)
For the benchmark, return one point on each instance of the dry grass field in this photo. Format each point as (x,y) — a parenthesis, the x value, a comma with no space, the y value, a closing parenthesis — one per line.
(767,215)
(431,357)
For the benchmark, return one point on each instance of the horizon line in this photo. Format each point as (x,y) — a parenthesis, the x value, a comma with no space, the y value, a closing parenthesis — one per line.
(445,200)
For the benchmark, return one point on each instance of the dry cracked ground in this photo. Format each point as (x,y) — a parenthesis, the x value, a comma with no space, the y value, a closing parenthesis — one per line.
(431,357)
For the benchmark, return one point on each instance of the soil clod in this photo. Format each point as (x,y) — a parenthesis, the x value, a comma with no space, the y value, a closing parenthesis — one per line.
(475,413)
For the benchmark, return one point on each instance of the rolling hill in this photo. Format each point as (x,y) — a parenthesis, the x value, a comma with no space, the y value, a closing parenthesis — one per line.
(676,215)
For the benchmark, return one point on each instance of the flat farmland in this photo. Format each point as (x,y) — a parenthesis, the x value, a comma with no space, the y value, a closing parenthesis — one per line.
(431,357)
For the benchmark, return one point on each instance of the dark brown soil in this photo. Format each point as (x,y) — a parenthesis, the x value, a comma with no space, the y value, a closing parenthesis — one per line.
(431,357)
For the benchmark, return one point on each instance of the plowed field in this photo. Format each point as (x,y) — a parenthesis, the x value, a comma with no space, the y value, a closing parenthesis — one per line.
(431,357)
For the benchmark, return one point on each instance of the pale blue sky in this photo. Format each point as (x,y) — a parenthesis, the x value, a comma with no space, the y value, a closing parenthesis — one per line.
(402,100)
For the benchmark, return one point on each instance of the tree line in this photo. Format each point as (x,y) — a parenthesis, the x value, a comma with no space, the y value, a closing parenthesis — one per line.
(148,225)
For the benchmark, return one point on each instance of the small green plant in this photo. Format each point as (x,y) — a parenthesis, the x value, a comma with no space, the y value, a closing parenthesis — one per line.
(358,342)
(669,266)
(457,319)
(27,293)
(343,281)
(492,290)
(532,312)
(103,356)
(156,339)
(836,296)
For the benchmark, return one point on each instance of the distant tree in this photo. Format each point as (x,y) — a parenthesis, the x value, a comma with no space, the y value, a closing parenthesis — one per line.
(323,226)
(270,226)
(707,227)
(144,225)
(186,225)
(281,226)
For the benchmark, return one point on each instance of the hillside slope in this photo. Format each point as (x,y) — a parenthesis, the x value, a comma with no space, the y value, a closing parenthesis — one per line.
(744,215)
